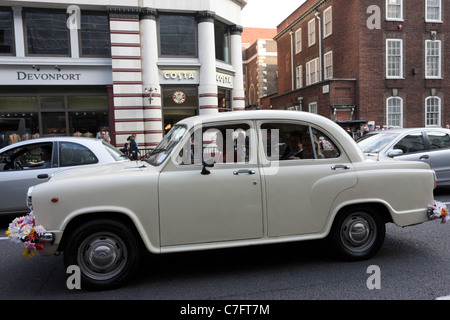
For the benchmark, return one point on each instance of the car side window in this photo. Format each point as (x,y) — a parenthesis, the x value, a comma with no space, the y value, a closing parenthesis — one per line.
(283,141)
(438,140)
(74,154)
(221,144)
(27,157)
(411,143)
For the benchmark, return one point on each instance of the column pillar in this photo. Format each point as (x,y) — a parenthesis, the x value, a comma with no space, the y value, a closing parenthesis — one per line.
(153,131)
(238,94)
(207,90)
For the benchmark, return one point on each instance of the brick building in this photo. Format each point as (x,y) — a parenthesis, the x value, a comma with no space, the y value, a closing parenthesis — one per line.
(259,65)
(357,61)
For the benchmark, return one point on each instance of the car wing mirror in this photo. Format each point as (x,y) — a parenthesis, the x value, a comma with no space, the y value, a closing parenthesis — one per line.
(207,163)
(395,152)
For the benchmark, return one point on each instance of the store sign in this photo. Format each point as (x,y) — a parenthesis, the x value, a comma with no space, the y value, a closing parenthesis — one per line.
(224,80)
(48,76)
(55,75)
(179,76)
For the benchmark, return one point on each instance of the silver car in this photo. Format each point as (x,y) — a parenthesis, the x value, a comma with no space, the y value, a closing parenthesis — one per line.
(31,162)
(430,145)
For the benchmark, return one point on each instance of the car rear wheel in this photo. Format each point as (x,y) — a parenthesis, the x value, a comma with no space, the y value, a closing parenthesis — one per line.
(106,251)
(358,233)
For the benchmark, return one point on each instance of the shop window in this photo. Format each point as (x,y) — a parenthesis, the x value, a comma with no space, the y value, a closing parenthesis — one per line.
(6,32)
(94,34)
(26,117)
(177,35)
(46,32)
(178,103)
(224,99)
(222,41)
(54,123)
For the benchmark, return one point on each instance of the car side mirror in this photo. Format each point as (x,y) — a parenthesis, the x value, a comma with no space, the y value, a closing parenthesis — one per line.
(395,153)
(207,163)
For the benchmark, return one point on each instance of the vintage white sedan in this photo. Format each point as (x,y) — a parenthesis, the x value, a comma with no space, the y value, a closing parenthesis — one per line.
(229,180)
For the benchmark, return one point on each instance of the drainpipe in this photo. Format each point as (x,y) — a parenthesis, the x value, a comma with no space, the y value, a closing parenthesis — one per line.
(320,46)
(292,61)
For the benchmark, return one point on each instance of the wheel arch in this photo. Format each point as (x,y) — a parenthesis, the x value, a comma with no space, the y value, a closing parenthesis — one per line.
(80,219)
(379,207)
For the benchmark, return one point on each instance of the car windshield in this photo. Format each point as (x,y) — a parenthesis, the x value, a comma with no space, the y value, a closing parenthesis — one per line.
(162,151)
(375,142)
(114,152)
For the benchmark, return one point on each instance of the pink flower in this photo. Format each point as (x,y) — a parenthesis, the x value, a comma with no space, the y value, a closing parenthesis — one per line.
(30,245)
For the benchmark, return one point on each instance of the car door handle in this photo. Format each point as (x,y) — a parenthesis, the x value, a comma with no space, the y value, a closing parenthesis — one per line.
(243,171)
(42,176)
(424,157)
(340,167)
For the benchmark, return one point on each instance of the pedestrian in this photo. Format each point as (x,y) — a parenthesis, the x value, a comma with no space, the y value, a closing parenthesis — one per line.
(125,149)
(133,150)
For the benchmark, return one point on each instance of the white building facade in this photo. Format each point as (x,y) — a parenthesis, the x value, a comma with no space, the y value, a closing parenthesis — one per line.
(128,67)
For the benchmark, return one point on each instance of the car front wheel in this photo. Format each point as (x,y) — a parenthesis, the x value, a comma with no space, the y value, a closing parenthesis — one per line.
(358,233)
(106,251)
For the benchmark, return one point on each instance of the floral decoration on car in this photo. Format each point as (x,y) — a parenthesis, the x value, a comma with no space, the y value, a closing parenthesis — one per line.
(438,211)
(24,229)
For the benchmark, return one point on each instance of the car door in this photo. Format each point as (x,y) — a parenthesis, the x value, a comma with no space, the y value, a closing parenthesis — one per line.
(300,190)
(210,204)
(18,174)
(439,154)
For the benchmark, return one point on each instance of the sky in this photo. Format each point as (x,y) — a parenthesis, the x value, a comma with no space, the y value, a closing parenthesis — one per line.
(268,13)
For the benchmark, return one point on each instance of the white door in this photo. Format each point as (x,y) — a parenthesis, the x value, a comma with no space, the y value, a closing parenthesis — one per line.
(225,204)
(300,190)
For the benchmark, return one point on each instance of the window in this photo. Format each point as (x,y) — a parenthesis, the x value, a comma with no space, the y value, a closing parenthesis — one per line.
(220,144)
(312,72)
(394,58)
(313,107)
(299,77)
(298,41)
(328,57)
(433,59)
(438,140)
(28,157)
(327,22)
(74,154)
(179,102)
(311,32)
(394,112)
(222,41)
(433,111)
(296,141)
(94,33)
(433,11)
(411,143)
(6,32)
(46,32)
(394,10)
(177,35)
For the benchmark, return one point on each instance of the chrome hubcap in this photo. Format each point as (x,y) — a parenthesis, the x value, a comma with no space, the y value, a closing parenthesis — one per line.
(102,256)
(358,232)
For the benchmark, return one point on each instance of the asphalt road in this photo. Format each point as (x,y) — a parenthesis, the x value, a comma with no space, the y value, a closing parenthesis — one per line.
(412,265)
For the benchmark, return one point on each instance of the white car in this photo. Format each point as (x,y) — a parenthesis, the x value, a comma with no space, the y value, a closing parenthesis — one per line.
(27,163)
(221,181)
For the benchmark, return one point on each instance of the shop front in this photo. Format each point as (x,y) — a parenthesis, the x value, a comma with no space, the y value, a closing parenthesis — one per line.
(40,100)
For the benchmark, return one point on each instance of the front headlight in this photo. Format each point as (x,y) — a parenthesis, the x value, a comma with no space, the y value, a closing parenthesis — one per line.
(29,198)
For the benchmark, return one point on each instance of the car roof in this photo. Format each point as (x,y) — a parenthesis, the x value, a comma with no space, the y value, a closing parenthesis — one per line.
(82,140)
(403,130)
(258,115)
